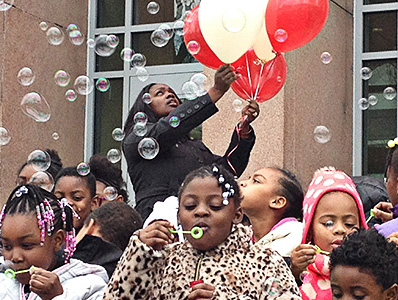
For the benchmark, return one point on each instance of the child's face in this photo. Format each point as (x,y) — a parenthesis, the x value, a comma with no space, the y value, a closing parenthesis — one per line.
(77,192)
(259,189)
(201,205)
(335,216)
(392,186)
(21,242)
(350,283)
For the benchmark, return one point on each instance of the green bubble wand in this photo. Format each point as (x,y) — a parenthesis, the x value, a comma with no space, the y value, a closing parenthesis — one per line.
(195,232)
(319,250)
(371,216)
(10,273)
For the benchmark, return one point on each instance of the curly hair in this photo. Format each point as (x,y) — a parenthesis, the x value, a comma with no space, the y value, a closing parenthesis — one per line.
(371,253)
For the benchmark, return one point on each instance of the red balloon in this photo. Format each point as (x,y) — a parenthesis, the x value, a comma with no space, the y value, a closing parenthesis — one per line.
(293,23)
(259,81)
(195,42)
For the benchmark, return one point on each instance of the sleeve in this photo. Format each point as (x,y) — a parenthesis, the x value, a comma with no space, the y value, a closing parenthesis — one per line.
(139,264)
(89,287)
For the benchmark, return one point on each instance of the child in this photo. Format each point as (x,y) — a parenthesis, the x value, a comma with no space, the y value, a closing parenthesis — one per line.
(273,200)
(332,208)
(79,191)
(364,267)
(34,227)
(222,264)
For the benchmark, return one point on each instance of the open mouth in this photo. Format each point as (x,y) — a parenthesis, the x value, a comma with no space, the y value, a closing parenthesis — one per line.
(172,102)
(337,243)
(202,225)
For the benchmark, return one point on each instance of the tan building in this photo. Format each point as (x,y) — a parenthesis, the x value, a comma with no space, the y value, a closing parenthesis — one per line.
(314,94)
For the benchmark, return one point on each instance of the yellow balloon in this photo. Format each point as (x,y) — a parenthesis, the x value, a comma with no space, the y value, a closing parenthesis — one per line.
(262,45)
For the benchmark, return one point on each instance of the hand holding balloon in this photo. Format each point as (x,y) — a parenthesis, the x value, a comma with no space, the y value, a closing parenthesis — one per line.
(222,81)
(157,234)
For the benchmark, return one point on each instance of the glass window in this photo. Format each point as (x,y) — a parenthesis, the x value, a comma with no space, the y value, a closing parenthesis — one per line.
(379,120)
(380,31)
(112,62)
(378,1)
(110,13)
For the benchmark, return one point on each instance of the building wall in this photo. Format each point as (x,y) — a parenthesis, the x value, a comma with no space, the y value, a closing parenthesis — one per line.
(24,44)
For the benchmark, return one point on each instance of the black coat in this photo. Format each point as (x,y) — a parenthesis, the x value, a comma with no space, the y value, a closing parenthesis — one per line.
(154,180)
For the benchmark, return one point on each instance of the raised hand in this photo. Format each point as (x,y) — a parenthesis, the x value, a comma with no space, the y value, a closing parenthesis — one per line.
(157,234)
(44,283)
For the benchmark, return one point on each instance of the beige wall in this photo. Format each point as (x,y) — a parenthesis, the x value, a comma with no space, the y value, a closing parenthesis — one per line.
(23,43)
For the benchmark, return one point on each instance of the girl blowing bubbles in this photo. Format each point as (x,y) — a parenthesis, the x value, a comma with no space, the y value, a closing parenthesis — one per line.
(222,264)
(34,227)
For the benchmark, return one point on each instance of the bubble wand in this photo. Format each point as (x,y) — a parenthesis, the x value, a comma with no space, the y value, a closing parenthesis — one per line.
(319,250)
(10,273)
(195,232)
(370,217)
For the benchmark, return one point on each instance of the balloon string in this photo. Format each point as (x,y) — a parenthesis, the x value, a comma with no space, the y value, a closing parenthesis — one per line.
(261,71)
(237,129)
(249,77)
(258,84)
(248,96)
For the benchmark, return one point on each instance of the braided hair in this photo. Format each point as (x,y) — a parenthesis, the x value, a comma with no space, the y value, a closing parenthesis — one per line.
(52,214)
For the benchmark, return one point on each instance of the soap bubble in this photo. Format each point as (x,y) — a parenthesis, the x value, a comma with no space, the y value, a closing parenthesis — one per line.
(148,148)
(147,98)
(234,20)
(280,35)
(5,137)
(178,28)
(273,286)
(55,136)
(389,93)
(84,85)
(366,73)
(101,46)
(112,41)
(142,74)
(62,78)
(118,134)
(326,58)
(26,76)
(138,60)
(102,84)
(114,155)
(373,100)
(153,7)
(140,129)
(174,121)
(189,90)
(110,193)
(363,104)
(6,4)
(71,27)
(43,180)
(91,43)
(238,105)
(322,134)
(201,82)
(76,37)
(159,38)
(43,26)
(83,169)
(127,54)
(39,160)
(168,31)
(140,117)
(193,47)
(70,95)
(55,36)
(35,106)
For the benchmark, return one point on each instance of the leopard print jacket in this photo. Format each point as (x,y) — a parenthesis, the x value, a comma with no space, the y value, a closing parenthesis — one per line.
(237,268)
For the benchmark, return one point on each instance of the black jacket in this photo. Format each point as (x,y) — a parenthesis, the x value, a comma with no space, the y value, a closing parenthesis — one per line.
(154,180)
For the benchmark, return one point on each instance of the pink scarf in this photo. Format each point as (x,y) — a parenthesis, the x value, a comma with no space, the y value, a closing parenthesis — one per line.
(316,282)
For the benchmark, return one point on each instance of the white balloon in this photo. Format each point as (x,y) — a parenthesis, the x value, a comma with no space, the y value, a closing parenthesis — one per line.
(262,45)
(229,44)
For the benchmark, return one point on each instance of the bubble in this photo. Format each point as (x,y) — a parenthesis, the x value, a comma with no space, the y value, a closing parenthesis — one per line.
(326,58)
(112,41)
(5,137)
(153,7)
(110,193)
(39,160)
(142,74)
(76,37)
(127,54)
(91,43)
(366,73)
(238,105)
(189,90)
(55,136)
(62,78)
(70,95)
(83,169)
(118,134)
(6,4)
(322,134)
(193,47)
(114,155)
(101,46)
(140,129)
(389,93)
(201,81)
(84,85)
(148,148)
(147,98)
(26,76)
(178,28)
(102,84)
(72,27)
(273,286)
(159,38)
(363,104)
(174,121)
(55,36)
(373,100)
(234,20)
(43,180)
(280,35)
(43,26)
(167,30)
(35,106)
(138,60)
(140,117)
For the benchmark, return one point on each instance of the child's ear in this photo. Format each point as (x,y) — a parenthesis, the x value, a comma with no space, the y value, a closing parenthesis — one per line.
(278,203)
(391,293)
(238,216)
(119,198)
(86,229)
(58,238)
(94,202)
